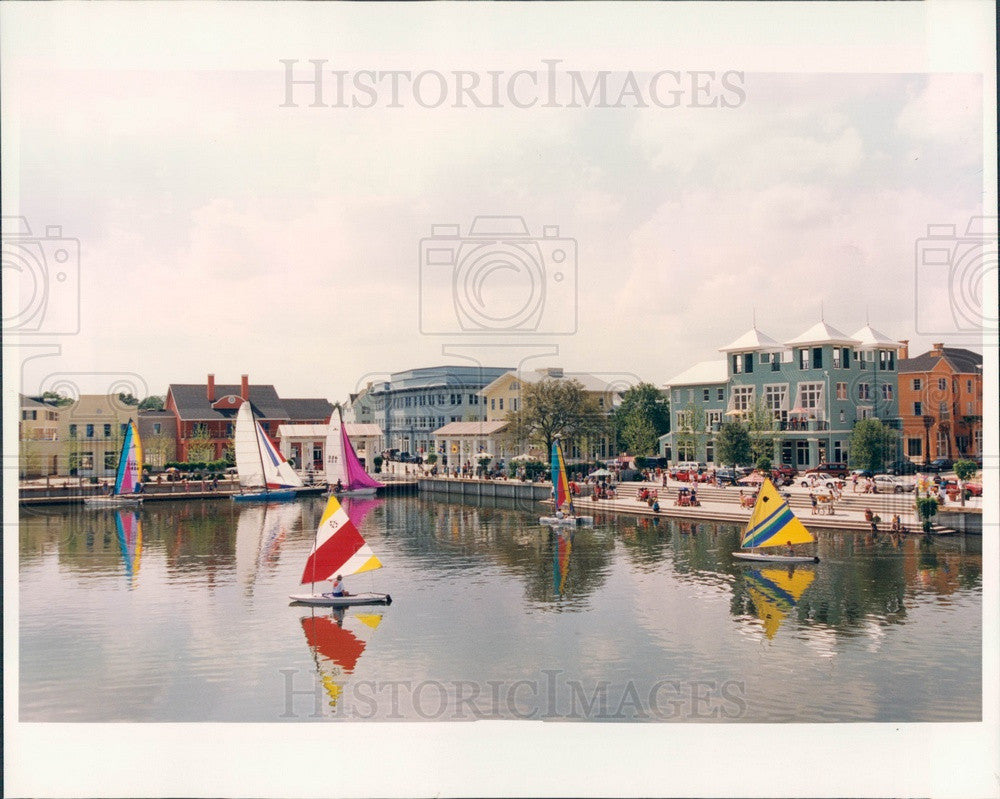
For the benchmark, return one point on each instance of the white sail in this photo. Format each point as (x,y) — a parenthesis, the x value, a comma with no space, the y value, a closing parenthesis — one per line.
(258,461)
(249,463)
(336,463)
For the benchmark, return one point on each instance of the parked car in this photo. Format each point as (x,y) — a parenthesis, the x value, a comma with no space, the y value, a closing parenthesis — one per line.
(783,475)
(726,476)
(889,484)
(939,465)
(813,479)
(902,467)
(863,473)
(835,469)
(971,489)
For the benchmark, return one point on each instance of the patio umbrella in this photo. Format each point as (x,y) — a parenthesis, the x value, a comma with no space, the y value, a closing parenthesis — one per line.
(752,479)
(600,473)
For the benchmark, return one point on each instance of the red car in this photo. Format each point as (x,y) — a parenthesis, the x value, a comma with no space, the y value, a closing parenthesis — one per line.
(835,469)
(971,489)
(783,475)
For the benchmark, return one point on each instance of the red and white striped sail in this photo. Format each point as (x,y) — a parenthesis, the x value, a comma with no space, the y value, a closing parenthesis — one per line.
(339,549)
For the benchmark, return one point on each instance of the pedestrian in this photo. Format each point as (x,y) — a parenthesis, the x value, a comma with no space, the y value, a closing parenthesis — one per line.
(815,505)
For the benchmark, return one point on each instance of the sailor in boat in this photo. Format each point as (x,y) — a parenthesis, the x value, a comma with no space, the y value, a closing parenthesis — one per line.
(338,588)
(339,487)
(789,549)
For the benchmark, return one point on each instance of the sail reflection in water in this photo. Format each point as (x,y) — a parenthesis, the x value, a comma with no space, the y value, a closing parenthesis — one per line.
(337,641)
(129,528)
(775,592)
(260,532)
(561,549)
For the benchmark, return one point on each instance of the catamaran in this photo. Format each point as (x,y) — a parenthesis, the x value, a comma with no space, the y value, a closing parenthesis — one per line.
(772,524)
(565,513)
(338,549)
(128,479)
(343,468)
(265,475)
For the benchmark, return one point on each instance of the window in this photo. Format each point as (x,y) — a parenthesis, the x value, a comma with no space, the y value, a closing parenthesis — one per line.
(710,452)
(968,386)
(836,357)
(493,404)
(737,364)
(842,415)
(407,402)
(107,431)
(72,431)
(776,400)
(742,398)
(916,384)
(720,393)
(157,428)
(863,391)
(841,391)
(712,419)
(970,408)
(765,357)
(886,391)
(803,359)
(918,409)
(942,384)
(110,460)
(886,360)
(682,419)
(29,416)
(501,403)
(915,447)
(515,386)
(513,404)
(817,357)
(690,395)
(430,400)
(704,394)
(748,362)
(839,452)
(942,443)
(90,433)
(810,396)
(977,437)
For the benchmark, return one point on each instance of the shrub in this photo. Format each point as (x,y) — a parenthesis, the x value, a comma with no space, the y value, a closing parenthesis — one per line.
(926,509)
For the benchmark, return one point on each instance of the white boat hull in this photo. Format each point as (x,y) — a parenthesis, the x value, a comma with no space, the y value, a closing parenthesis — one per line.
(354,492)
(112,502)
(328,601)
(764,557)
(566,521)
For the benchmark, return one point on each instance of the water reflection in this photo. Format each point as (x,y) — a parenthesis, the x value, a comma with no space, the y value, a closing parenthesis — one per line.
(129,527)
(260,532)
(337,641)
(774,593)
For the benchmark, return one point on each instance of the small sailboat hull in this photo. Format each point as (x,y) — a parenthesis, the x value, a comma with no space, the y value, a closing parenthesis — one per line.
(266,496)
(354,492)
(329,601)
(566,521)
(765,557)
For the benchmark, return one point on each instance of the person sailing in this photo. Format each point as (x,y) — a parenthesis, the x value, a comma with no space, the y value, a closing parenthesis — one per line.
(338,588)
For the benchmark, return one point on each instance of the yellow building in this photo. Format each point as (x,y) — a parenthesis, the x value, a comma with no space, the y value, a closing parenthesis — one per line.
(38,437)
(90,434)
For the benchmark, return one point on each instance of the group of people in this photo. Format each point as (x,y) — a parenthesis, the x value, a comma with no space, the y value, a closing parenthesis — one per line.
(602,490)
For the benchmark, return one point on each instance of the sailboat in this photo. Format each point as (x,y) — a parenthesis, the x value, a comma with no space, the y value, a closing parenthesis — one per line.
(565,513)
(772,524)
(342,465)
(775,592)
(265,475)
(338,549)
(128,479)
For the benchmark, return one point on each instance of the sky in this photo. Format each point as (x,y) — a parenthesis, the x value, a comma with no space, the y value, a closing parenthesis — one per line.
(768,162)
(227,226)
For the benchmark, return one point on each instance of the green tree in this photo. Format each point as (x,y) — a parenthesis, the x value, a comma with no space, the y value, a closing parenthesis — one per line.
(200,447)
(690,432)
(926,509)
(152,403)
(55,398)
(732,444)
(127,399)
(553,408)
(762,428)
(964,469)
(872,443)
(641,418)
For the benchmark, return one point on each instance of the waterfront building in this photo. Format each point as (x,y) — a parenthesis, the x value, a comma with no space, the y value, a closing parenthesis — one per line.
(504,395)
(816,386)
(411,405)
(941,404)
(38,438)
(459,443)
(304,445)
(206,414)
(158,433)
(91,430)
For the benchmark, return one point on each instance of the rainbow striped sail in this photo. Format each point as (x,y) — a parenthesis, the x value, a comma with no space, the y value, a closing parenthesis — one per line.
(130,462)
(560,483)
(339,547)
(772,523)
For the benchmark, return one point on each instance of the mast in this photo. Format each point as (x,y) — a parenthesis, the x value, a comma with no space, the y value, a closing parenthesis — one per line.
(257,431)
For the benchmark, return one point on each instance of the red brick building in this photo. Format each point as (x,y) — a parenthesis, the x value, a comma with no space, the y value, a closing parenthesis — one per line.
(205,414)
(941,404)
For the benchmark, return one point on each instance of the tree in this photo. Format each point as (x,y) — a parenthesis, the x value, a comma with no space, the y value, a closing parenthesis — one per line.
(690,431)
(641,418)
(553,408)
(152,403)
(55,398)
(127,399)
(926,509)
(732,444)
(200,447)
(761,427)
(871,443)
(964,469)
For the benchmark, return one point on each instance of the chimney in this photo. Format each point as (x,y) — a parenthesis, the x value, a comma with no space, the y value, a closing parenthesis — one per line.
(938,350)
(904,350)
(245,387)
(211,388)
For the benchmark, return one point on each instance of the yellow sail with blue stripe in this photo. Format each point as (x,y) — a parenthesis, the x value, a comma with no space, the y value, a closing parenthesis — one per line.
(772,523)
(775,593)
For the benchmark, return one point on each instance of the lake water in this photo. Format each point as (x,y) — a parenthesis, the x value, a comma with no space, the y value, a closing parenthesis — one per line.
(492,617)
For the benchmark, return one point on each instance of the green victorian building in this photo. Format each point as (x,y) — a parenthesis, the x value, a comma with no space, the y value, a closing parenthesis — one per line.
(815,387)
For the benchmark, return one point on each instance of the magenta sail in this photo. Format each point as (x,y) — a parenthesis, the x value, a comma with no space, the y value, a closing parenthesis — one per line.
(357,477)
